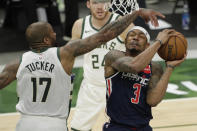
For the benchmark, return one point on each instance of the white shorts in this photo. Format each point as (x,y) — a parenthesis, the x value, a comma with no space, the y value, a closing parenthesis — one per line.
(90,102)
(41,123)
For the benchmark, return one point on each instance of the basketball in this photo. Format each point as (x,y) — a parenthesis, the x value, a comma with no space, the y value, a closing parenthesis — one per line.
(174,49)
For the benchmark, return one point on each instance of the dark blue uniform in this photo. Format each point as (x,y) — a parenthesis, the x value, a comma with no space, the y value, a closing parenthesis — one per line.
(126,101)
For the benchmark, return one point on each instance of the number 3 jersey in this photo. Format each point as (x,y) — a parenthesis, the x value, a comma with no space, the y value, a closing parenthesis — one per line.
(93,64)
(126,98)
(43,87)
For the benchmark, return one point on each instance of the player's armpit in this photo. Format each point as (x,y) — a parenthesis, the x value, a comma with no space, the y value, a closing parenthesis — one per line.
(9,73)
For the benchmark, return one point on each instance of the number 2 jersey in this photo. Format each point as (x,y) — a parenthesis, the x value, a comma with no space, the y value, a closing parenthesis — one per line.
(43,87)
(126,98)
(93,64)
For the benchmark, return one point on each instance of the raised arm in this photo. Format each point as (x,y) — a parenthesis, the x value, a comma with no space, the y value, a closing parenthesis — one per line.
(8,74)
(159,81)
(112,30)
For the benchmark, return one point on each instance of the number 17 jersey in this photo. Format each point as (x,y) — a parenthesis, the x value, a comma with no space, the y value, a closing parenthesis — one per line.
(93,64)
(43,87)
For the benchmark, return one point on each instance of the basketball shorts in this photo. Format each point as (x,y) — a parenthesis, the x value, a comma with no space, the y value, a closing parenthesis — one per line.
(117,127)
(41,123)
(91,102)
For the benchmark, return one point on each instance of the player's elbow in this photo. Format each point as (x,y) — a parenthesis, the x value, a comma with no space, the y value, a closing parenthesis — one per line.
(152,103)
(1,86)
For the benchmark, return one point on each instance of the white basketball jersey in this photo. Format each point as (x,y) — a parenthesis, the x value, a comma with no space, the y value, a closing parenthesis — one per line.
(93,64)
(43,87)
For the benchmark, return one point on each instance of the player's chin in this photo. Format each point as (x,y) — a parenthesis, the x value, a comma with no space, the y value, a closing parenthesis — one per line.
(134,50)
(100,17)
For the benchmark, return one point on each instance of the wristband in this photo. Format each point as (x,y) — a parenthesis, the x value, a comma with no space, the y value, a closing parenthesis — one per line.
(161,43)
(171,66)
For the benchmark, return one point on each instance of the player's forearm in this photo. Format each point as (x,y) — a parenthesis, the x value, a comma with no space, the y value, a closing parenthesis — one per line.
(115,28)
(155,95)
(3,80)
(109,32)
(144,58)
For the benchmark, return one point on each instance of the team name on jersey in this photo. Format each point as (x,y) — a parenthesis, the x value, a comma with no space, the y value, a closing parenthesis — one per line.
(40,65)
(142,80)
(108,46)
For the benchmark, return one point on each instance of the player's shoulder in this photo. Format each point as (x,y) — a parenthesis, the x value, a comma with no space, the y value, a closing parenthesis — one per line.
(116,15)
(113,55)
(79,22)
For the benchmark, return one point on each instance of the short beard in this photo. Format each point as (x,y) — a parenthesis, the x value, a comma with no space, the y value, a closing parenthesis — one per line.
(133,52)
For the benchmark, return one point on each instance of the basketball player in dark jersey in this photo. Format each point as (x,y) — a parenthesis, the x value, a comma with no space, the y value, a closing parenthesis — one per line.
(134,82)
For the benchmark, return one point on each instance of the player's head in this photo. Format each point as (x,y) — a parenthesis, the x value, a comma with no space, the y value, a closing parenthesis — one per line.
(98,8)
(137,40)
(40,34)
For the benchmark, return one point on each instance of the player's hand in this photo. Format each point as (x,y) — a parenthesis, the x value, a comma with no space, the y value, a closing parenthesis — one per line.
(175,63)
(150,15)
(164,35)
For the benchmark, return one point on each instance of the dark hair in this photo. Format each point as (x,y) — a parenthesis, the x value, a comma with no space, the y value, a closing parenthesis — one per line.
(36,32)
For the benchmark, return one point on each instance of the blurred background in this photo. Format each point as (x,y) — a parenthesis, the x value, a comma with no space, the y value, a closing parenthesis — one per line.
(16,15)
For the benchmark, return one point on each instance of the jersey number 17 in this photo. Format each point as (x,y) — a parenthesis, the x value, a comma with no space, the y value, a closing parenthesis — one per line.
(41,81)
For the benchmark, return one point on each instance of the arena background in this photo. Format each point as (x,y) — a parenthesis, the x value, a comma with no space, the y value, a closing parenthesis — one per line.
(177,112)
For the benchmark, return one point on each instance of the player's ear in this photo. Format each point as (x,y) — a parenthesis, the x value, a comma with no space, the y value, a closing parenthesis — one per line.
(46,40)
(88,3)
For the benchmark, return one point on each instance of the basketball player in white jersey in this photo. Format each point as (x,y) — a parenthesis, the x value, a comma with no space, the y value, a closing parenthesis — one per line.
(43,73)
(91,97)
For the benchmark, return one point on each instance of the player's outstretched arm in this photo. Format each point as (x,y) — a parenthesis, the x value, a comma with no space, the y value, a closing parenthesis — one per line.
(112,30)
(8,74)
(159,81)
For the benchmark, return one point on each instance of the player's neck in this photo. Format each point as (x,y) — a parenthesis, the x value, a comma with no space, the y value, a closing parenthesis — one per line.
(99,23)
(40,48)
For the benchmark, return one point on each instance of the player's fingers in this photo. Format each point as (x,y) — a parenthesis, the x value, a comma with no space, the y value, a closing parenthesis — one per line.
(152,22)
(159,14)
(155,20)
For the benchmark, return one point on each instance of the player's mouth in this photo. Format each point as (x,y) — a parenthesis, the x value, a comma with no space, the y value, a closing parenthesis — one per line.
(100,13)
(134,44)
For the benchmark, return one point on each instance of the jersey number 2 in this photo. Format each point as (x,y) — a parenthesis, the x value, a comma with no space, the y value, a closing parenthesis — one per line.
(41,80)
(95,62)
(136,93)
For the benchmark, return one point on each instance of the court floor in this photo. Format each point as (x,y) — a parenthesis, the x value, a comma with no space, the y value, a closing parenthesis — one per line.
(169,115)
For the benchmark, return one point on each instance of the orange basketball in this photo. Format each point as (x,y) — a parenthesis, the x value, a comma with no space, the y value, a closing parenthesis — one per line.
(174,49)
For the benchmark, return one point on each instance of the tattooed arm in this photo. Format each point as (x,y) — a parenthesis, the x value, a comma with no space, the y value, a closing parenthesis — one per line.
(81,46)
(8,74)
(159,81)
(112,30)
(157,85)
(116,60)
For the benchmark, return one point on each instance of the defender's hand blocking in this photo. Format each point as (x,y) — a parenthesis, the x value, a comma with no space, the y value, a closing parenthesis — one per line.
(150,15)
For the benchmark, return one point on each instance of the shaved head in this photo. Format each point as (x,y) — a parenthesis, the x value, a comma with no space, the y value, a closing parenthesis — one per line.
(36,32)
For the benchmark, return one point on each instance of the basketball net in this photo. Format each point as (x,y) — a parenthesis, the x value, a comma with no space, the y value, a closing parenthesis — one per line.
(123,7)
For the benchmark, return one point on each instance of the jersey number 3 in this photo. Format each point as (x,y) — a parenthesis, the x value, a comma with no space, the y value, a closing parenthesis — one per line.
(137,91)
(41,80)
